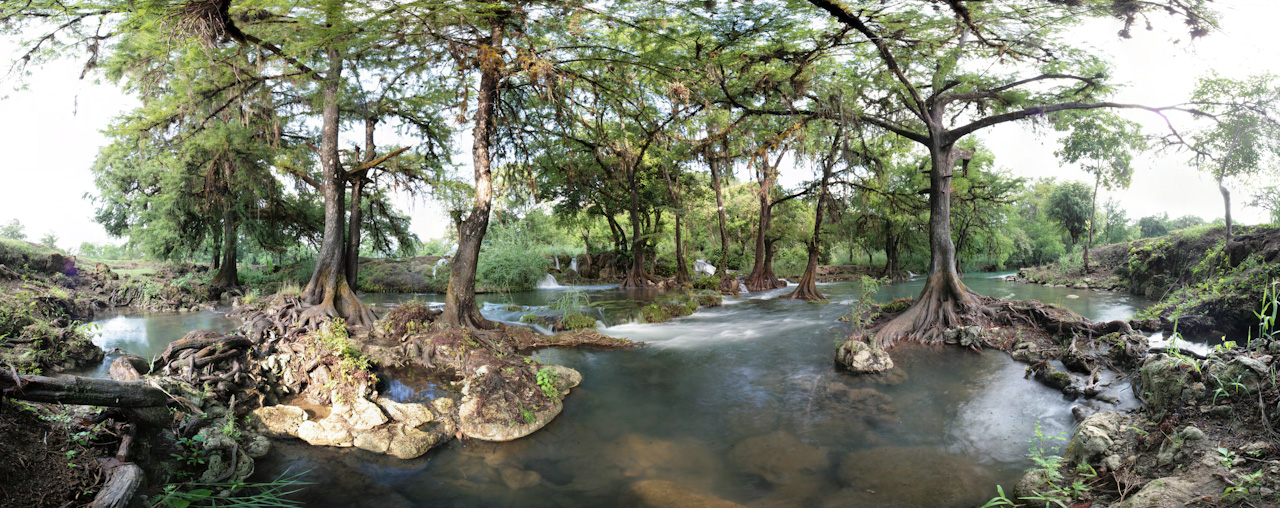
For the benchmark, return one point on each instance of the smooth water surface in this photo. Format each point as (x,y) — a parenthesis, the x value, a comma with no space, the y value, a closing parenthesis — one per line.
(739,403)
(147,334)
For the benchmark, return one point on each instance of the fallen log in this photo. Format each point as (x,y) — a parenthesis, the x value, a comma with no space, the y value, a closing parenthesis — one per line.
(81,390)
(122,481)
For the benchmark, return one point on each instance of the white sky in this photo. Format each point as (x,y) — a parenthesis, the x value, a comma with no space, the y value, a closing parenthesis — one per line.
(51,131)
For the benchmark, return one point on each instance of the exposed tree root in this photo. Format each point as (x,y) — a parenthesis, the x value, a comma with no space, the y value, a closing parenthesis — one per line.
(763,281)
(947,304)
(808,288)
(640,280)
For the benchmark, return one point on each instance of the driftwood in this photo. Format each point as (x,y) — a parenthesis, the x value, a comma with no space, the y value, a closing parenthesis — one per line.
(81,390)
(122,481)
(122,369)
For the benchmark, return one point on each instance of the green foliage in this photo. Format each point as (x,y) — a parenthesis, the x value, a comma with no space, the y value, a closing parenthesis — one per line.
(13,230)
(547,379)
(49,240)
(862,309)
(270,494)
(575,321)
(506,261)
(706,282)
(1071,206)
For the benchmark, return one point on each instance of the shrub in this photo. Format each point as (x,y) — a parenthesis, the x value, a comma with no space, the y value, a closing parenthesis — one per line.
(510,267)
(706,282)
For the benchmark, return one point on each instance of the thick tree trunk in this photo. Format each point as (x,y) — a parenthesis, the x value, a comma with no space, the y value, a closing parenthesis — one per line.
(227,275)
(328,292)
(944,299)
(636,275)
(585,267)
(762,277)
(714,162)
(1226,204)
(460,299)
(81,390)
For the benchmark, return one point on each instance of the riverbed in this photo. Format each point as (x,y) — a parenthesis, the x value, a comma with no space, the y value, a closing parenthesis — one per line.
(739,403)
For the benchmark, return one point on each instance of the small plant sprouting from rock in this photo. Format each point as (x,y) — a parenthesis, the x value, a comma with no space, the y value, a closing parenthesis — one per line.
(547,379)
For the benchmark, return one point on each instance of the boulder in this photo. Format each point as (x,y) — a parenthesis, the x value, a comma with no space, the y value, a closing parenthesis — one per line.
(779,457)
(1166,380)
(861,358)
(278,421)
(1095,437)
(1240,375)
(509,423)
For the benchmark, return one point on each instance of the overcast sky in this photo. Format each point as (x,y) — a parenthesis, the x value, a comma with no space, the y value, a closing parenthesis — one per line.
(52,130)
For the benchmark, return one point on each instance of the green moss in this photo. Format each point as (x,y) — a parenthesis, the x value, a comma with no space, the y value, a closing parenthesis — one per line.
(574,321)
(706,282)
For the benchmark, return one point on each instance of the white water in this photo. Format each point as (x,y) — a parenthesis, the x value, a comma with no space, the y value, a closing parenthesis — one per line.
(441,261)
(703,266)
(573,264)
(549,282)
(557,258)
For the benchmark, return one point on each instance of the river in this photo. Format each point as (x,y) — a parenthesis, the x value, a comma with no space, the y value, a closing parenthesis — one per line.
(739,403)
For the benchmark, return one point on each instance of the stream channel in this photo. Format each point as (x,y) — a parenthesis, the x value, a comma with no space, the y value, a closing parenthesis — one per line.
(736,403)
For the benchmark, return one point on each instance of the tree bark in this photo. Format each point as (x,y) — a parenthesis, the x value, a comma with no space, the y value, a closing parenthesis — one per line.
(1226,203)
(460,307)
(328,292)
(808,286)
(944,298)
(1093,214)
(762,277)
(82,391)
(227,275)
(714,162)
(358,181)
(636,275)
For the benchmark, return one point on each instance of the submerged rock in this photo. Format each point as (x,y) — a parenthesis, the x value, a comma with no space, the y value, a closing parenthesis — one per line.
(665,494)
(913,476)
(779,457)
(862,358)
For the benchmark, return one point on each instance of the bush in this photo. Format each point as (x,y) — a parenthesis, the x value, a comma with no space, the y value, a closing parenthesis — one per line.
(510,267)
(577,321)
(706,282)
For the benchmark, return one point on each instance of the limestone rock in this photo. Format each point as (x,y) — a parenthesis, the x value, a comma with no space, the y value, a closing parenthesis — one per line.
(1165,380)
(1095,436)
(1241,374)
(861,358)
(1163,493)
(279,421)
(779,457)
(511,424)
(410,414)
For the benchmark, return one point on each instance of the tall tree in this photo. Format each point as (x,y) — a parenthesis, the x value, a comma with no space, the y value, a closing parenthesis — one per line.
(1103,144)
(945,72)
(1243,138)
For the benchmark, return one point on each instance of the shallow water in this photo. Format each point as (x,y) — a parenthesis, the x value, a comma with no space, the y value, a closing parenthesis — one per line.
(147,334)
(742,403)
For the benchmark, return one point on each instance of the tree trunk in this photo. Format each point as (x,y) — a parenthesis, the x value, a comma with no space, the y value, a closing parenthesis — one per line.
(585,267)
(460,299)
(1093,214)
(358,182)
(761,277)
(944,298)
(1226,203)
(636,276)
(808,288)
(682,268)
(328,292)
(81,390)
(714,162)
(227,275)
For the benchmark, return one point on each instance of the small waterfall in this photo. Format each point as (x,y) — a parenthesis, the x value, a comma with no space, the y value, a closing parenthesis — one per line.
(704,266)
(441,261)
(549,282)
(742,288)
(573,265)
(557,258)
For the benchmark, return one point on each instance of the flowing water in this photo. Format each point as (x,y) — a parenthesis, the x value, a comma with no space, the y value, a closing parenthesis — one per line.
(739,402)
